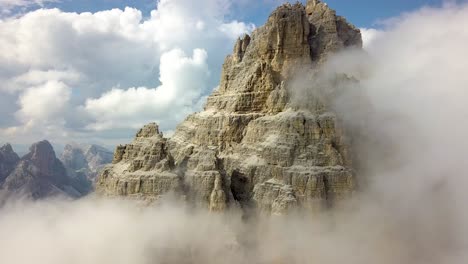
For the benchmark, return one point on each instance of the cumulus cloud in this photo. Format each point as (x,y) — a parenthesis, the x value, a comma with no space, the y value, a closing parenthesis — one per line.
(236,29)
(41,107)
(43,102)
(37,77)
(110,54)
(183,81)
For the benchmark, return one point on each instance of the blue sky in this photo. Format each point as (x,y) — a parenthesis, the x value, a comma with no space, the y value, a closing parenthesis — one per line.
(363,13)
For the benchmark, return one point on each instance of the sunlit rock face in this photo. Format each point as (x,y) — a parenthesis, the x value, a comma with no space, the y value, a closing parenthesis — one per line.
(251,146)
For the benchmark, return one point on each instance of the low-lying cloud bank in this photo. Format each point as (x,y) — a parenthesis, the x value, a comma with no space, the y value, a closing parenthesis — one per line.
(409,109)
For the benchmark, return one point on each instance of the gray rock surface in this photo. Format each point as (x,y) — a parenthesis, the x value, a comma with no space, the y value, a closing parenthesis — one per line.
(8,161)
(39,174)
(84,163)
(251,147)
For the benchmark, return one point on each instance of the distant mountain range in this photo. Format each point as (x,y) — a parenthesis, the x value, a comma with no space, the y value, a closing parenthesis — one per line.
(40,174)
(85,162)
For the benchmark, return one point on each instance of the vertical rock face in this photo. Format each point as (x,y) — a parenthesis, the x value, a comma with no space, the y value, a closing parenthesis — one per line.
(330,32)
(83,163)
(39,174)
(97,157)
(251,147)
(8,161)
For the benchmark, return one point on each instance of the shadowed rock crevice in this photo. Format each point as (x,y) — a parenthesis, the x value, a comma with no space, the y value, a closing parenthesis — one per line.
(241,188)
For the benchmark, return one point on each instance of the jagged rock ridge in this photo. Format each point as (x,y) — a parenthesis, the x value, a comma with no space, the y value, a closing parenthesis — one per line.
(39,174)
(250,146)
(8,161)
(84,163)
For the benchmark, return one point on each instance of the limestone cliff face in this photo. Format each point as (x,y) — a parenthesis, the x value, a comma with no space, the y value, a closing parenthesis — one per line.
(251,147)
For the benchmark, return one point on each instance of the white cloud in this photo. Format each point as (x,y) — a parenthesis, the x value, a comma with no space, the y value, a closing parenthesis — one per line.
(369,35)
(408,114)
(183,81)
(236,29)
(43,102)
(41,107)
(36,77)
(103,55)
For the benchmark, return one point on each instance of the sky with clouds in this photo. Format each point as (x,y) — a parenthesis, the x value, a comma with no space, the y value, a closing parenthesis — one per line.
(97,70)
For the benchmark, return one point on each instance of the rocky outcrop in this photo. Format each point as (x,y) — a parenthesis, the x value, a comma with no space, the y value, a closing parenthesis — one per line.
(83,164)
(330,33)
(142,169)
(39,174)
(251,147)
(8,161)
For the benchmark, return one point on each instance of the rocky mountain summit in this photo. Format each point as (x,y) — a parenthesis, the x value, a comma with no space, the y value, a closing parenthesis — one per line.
(85,162)
(252,146)
(39,174)
(8,161)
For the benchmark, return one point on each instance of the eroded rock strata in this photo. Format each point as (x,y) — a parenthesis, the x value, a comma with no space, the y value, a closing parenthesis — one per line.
(251,147)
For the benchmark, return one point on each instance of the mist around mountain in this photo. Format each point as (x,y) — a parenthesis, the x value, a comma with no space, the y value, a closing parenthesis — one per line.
(253,146)
(403,101)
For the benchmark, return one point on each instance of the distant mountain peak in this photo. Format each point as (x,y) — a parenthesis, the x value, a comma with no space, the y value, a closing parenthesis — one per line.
(6,148)
(83,162)
(39,174)
(42,155)
(8,161)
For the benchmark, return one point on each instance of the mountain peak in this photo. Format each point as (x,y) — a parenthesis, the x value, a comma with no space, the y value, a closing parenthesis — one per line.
(7,148)
(250,147)
(8,161)
(42,155)
(39,174)
(42,147)
(149,130)
(313,3)
(85,160)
